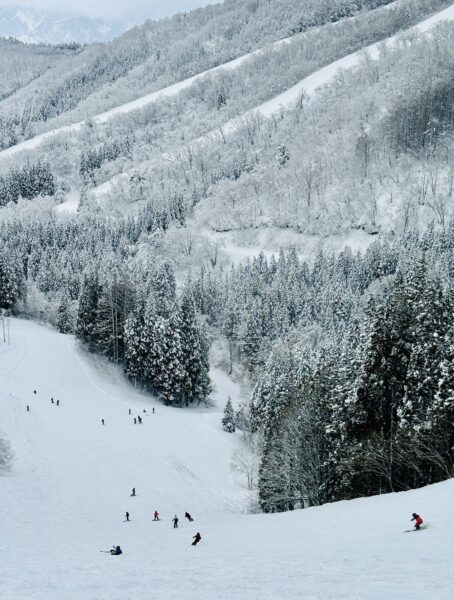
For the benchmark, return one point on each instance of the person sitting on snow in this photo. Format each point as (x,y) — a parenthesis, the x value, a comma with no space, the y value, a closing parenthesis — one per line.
(116,550)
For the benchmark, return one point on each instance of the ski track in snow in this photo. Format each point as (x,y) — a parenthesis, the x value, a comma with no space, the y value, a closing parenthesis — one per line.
(68,491)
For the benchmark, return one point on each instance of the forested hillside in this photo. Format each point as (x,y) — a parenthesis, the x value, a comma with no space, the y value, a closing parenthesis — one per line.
(127,231)
(159,53)
(21,63)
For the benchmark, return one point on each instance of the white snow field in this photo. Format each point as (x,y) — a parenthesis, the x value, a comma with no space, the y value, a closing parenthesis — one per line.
(65,499)
(308,84)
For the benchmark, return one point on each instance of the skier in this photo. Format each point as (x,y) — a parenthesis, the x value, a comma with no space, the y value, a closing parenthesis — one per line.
(175,522)
(116,551)
(135,421)
(127,516)
(102,421)
(153,410)
(129,411)
(188,517)
(28,408)
(418,521)
(197,538)
(34,391)
(133,492)
(58,402)
(139,418)
(52,400)
(156,516)
(144,411)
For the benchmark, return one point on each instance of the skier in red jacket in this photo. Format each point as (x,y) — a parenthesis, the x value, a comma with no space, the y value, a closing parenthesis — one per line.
(418,521)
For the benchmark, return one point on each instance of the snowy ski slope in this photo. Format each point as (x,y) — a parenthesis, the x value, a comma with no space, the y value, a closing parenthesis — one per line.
(65,500)
(287,98)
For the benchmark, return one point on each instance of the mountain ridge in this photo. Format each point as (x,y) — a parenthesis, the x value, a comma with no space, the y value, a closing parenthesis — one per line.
(36,26)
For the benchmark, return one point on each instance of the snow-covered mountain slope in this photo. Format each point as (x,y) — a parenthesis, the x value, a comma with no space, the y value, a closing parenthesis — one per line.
(288,98)
(285,100)
(65,499)
(167,92)
(38,26)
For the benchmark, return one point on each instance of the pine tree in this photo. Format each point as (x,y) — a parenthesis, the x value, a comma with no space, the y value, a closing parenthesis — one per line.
(9,288)
(166,364)
(228,420)
(194,352)
(114,304)
(253,336)
(88,312)
(64,320)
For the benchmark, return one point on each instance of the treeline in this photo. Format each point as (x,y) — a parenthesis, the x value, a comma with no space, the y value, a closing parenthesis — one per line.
(157,337)
(372,415)
(27,182)
(91,282)
(353,358)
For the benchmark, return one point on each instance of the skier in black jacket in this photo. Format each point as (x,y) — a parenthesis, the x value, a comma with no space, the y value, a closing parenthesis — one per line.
(197,538)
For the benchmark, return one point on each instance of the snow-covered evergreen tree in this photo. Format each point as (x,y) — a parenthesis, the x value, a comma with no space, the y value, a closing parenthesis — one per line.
(195,384)
(9,289)
(228,420)
(87,314)
(64,319)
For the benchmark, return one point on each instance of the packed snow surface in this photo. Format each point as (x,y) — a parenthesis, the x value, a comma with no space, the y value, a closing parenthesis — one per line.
(65,499)
(308,84)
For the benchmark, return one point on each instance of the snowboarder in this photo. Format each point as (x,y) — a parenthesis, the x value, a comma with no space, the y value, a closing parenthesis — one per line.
(133,492)
(127,516)
(28,408)
(156,516)
(139,418)
(116,551)
(58,402)
(188,517)
(175,522)
(418,521)
(102,421)
(135,421)
(197,538)
(52,400)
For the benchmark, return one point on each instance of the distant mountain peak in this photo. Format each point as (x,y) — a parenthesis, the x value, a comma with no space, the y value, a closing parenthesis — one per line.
(31,25)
